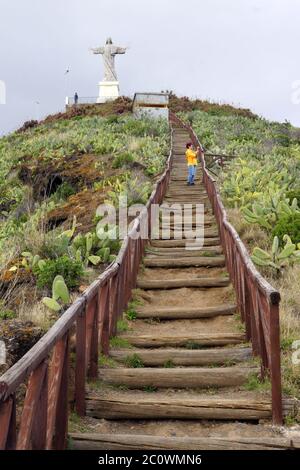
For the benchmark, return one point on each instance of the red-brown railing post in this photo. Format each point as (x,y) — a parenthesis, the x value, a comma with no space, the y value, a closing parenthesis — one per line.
(80,367)
(39,429)
(7,424)
(275,364)
(31,406)
(104,316)
(94,350)
(61,418)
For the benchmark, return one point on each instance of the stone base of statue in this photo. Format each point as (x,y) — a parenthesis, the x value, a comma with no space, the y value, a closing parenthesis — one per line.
(108,91)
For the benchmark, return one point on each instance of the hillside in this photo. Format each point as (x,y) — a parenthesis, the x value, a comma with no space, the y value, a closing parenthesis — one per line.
(260,189)
(53,176)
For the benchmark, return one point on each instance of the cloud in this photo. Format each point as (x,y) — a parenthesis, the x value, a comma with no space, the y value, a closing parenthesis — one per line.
(220,49)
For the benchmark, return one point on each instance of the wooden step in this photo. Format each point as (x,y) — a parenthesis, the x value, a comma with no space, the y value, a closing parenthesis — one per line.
(186,340)
(149,284)
(200,261)
(133,406)
(208,241)
(97,441)
(179,252)
(184,357)
(190,377)
(184,234)
(176,313)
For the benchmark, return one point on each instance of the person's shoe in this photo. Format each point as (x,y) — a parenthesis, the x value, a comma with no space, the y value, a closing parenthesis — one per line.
(192,184)
(188,183)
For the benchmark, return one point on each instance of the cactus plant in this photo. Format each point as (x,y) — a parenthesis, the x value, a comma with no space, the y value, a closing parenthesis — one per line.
(278,258)
(60,292)
(267,215)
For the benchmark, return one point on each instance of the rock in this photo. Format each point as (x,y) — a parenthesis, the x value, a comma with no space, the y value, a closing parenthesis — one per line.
(19,336)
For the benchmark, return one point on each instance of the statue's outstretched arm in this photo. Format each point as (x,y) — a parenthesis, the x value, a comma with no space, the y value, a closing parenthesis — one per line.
(120,50)
(98,50)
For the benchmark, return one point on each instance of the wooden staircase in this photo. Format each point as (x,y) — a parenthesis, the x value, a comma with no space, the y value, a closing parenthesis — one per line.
(180,377)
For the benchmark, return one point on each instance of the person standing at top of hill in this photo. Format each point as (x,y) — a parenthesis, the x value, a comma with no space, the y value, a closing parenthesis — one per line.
(76,98)
(192,162)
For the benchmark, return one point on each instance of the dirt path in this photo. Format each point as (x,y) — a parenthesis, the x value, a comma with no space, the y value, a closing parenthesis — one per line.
(188,373)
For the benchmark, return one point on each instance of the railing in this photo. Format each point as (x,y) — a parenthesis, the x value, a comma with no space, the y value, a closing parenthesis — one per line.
(258,301)
(82,100)
(83,330)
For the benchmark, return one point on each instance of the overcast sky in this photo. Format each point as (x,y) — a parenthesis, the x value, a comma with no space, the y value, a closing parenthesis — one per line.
(238,51)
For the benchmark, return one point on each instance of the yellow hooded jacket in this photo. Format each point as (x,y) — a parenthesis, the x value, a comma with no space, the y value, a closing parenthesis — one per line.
(191,157)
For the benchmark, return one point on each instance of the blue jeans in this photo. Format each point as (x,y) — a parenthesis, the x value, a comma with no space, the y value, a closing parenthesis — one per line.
(192,173)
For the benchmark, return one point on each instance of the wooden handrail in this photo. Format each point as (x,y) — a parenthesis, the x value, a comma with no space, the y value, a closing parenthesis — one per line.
(85,327)
(258,301)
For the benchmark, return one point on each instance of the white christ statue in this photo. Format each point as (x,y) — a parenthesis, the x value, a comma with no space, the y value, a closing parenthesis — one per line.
(109,51)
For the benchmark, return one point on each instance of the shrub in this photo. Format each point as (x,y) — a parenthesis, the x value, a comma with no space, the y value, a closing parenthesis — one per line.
(294,193)
(290,225)
(64,191)
(7,315)
(134,361)
(64,266)
(122,159)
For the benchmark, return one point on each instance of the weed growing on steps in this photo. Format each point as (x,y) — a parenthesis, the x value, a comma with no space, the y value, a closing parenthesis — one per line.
(134,361)
(107,362)
(291,420)
(131,313)
(238,324)
(150,389)
(122,326)
(169,364)
(254,383)
(76,423)
(119,342)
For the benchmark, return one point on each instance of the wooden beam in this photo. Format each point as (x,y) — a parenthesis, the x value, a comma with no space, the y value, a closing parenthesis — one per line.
(187,282)
(175,313)
(214,408)
(178,377)
(184,357)
(204,261)
(93,441)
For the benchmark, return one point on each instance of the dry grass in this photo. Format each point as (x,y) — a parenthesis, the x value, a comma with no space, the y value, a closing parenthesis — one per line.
(252,235)
(289,287)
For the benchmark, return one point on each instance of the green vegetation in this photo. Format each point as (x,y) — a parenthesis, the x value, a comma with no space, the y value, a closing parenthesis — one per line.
(53,176)
(134,361)
(119,342)
(131,313)
(122,325)
(7,315)
(278,258)
(105,361)
(254,383)
(169,364)
(59,292)
(261,192)
(150,389)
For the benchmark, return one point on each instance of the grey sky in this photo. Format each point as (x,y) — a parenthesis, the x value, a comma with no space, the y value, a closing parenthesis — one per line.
(239,51)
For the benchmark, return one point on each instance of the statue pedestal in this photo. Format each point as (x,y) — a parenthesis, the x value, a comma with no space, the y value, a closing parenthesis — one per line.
(108,91)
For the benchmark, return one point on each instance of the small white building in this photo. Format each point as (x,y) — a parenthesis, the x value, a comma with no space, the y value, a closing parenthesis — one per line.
(154,104)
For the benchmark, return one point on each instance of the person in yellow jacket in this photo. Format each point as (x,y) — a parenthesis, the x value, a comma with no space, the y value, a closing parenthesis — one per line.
(192,162)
